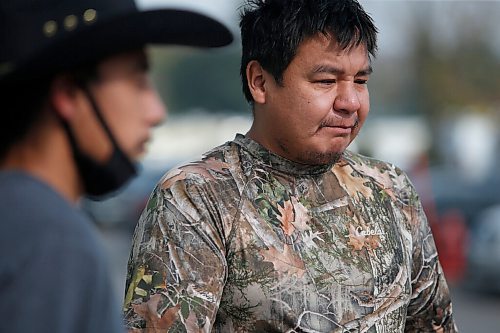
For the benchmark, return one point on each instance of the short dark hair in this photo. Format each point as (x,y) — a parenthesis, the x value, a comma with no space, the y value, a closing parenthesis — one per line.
(272,30)
(21,104)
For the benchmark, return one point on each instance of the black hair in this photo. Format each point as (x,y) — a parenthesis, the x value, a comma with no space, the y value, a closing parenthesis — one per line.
(272,30)
(21,107)
(22,103)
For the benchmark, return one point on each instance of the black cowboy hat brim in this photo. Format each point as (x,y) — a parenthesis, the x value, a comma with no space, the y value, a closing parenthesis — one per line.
(122,33)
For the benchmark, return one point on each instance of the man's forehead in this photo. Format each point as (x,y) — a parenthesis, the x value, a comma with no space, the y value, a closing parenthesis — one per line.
(332,45)
(320,53)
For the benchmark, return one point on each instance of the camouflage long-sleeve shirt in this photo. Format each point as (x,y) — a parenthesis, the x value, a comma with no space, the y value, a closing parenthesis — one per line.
(246,241)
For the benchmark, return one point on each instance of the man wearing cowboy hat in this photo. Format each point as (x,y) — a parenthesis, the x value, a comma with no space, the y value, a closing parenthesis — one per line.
(77,107)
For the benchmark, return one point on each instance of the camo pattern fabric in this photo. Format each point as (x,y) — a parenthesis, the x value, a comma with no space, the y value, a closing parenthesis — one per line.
(246,241)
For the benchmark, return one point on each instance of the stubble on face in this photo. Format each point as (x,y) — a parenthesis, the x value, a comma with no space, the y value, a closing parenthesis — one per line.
(312,157)
(317,158)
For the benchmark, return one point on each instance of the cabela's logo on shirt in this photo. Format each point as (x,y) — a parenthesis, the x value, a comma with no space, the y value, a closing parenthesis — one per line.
(368,237)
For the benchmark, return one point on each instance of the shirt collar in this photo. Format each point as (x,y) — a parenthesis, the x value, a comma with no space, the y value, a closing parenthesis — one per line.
(277,162)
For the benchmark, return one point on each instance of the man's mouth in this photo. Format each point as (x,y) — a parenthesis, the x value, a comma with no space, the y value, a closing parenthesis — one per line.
(342,126)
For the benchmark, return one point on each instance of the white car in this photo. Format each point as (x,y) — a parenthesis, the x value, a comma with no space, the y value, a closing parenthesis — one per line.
(483,271)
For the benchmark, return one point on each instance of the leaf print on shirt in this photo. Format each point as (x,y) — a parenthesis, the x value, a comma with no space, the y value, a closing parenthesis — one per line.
(271,193)
(302,218)
(154,321)
(192,325)
(382,178)
(309,238)
(286,217)
(286,262)
(131,290)
(352,184)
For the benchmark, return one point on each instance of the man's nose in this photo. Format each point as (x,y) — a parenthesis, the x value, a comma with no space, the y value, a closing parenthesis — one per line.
(347,99)
(156,110)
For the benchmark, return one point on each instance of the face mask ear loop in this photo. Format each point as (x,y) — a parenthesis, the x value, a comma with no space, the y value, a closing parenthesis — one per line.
(99,115)
(100,178)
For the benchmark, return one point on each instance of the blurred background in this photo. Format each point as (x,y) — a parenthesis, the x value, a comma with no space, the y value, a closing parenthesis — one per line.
(435,96)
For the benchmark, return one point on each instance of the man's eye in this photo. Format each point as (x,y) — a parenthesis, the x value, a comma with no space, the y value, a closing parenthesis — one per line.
(361,81)
(327,82)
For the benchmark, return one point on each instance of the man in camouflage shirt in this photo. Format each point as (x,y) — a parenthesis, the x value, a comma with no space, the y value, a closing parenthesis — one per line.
(283,229)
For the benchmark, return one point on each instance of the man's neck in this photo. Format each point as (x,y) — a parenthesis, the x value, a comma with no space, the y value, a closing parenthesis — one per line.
(46,155)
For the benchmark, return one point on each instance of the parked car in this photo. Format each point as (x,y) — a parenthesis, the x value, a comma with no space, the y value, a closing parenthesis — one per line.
(455,207)
(483,271)
(444,189)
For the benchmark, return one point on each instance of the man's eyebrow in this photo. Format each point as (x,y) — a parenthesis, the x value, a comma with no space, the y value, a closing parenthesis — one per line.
(327,69)
(366,71)
(337,71)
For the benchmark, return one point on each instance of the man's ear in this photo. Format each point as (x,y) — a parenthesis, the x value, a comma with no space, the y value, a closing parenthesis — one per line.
(256,81)
(63,97)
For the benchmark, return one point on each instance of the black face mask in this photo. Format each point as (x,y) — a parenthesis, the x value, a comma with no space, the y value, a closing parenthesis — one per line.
(101,178)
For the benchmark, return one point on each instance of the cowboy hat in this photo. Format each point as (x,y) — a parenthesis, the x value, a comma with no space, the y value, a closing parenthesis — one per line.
(44,37)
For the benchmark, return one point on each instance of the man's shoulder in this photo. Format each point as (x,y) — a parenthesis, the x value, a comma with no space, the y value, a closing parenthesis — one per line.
(38,223)
(385,174)
(213,166)
(36,206)
(354,158)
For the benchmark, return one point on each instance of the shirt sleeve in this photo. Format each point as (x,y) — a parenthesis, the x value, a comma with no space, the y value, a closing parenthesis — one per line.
(177,268)
(430,308)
